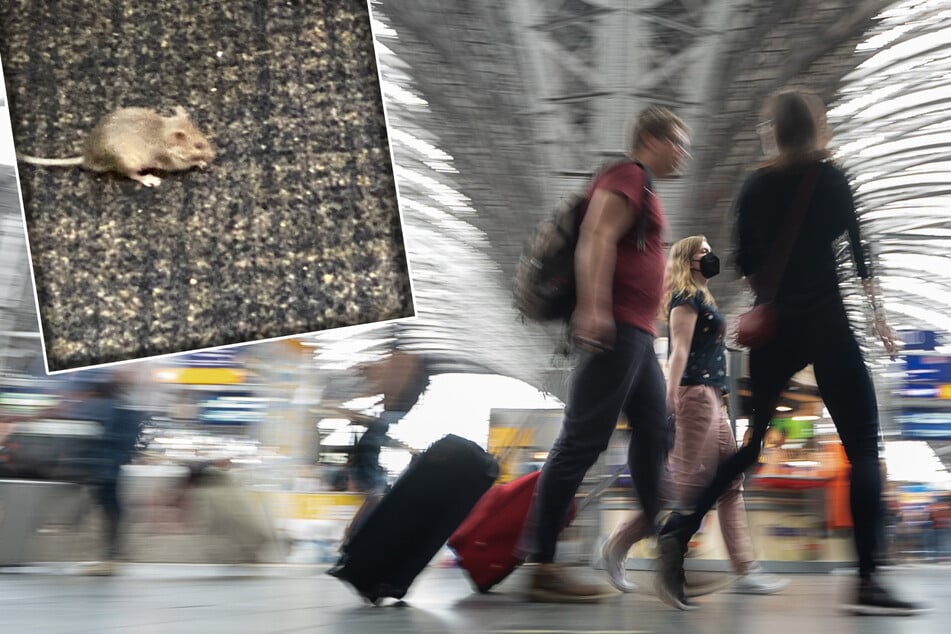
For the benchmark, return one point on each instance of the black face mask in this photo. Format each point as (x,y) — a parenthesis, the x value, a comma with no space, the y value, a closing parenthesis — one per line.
(709,265)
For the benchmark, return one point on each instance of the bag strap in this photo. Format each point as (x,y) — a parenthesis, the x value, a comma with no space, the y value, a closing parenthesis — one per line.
(641,226)
(642,212)
(767,282)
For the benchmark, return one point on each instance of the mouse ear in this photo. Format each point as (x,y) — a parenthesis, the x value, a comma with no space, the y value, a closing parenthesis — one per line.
(180,112)
(178,136)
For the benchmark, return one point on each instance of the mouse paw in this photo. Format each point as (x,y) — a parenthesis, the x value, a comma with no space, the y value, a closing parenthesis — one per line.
(147,179)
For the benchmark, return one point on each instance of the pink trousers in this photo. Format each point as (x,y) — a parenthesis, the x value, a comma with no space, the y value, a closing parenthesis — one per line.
(703,440)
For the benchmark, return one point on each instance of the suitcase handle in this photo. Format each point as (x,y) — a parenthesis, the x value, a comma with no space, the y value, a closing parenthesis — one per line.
(601,487)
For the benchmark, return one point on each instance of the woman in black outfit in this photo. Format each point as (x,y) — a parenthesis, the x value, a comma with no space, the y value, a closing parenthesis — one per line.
(813,329)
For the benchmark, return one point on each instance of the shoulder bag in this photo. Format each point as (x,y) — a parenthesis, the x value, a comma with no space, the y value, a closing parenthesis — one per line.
(758,326)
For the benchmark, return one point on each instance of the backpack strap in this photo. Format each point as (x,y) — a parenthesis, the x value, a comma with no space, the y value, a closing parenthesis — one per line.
(641,226)
(642,212)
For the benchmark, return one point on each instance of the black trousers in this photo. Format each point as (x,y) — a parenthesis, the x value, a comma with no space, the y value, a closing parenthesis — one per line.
(820,336)
(107,496)
(629,379)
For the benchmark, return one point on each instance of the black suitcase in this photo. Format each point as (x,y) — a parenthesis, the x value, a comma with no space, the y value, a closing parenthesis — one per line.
(409,525)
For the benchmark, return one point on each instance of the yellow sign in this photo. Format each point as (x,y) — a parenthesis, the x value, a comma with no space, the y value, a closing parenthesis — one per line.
(502,444)
(315,506)
(201,376)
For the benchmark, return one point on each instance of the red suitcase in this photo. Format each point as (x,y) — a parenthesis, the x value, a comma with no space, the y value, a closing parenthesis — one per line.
(485,542)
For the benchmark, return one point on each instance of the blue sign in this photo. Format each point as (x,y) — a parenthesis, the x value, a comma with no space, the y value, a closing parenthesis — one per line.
(232,409)
(209,359)
(918,391)
(924,424)
(927,368)
(919,339)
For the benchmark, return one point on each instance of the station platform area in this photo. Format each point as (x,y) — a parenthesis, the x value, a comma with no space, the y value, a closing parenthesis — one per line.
(55,598)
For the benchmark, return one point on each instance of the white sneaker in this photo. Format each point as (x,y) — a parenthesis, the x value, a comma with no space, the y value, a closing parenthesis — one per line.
(614,564)
(758,581)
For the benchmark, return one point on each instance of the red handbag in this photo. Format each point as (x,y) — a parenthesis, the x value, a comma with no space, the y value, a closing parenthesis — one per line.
(759,325)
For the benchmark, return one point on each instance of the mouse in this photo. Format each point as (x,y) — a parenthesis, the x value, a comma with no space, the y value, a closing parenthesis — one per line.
(132,141)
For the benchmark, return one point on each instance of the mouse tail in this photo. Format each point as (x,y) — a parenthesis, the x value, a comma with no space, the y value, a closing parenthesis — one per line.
(50,162)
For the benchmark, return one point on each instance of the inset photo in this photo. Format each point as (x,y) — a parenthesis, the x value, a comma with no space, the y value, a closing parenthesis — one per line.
(197,175)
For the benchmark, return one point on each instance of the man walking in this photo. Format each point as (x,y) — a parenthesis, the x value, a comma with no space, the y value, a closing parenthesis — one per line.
(619,271)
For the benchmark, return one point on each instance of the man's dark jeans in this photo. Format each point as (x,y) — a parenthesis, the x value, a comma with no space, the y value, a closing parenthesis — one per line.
(625,379)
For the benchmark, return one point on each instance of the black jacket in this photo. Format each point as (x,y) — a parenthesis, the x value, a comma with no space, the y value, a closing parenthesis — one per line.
(811,275)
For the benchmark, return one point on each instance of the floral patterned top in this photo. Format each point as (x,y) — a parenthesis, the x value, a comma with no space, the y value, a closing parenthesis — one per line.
(706,363)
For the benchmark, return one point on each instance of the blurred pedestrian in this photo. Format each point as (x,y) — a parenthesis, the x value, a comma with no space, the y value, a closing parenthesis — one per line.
(104,398)
(696,384)
(812,328)
(401,378)
(219,501)
(100,396)
(619,271)
(366,473)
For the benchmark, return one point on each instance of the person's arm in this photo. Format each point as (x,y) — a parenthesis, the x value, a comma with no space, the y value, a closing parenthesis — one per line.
(609,216)
(885,332)
(869,284)
(749,246)
(683,320)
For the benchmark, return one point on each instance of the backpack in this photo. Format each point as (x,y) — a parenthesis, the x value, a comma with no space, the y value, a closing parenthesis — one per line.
(544,285)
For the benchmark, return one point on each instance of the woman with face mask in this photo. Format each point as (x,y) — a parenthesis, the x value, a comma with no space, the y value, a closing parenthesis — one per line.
(696,384)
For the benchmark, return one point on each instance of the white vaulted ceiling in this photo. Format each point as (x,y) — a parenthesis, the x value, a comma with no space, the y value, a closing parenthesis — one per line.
(893,132)
(498,109)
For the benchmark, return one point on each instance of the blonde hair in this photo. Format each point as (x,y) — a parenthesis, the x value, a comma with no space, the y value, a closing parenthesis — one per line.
(799,127)
(678,277)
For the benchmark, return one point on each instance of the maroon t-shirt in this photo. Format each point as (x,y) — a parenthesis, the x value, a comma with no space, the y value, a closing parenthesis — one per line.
(638,275)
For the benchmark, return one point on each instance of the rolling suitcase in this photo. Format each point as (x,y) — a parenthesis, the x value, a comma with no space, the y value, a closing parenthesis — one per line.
(485,543)
(414,519)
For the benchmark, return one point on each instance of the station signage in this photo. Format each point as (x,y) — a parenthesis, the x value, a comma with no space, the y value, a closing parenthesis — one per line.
(924,424)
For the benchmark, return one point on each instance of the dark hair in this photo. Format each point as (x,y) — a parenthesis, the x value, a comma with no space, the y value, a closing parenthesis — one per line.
(793,124)
(795,129)
(655,121)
